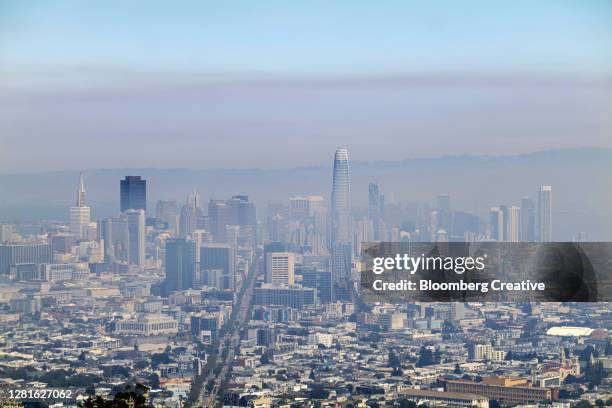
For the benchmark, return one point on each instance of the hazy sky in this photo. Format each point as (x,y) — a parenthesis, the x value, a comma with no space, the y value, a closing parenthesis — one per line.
(274,84)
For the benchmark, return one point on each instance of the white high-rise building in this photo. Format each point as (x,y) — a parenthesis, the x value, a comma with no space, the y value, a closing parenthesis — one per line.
(194,199)
(512,224)
(545,214)
(80,214)
(280,268)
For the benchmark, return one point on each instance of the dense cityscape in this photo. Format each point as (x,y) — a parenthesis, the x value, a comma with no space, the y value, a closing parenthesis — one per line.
(225,303)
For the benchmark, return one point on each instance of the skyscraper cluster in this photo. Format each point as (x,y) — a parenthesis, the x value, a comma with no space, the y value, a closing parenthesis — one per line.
(516,224)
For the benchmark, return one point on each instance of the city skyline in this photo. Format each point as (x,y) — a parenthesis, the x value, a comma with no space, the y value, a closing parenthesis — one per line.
(206,301)
(318,204)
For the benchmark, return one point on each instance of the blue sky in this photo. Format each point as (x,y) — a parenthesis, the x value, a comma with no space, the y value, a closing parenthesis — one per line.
(312,38)
(272,84)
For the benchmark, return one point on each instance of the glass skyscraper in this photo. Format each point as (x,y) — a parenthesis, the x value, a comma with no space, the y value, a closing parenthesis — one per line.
(341,198)
(133,193)
(180,265)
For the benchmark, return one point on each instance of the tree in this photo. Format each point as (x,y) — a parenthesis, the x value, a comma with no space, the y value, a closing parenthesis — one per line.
(583,404)
(437,356)
(134,398)
(426,357)
(570,379)
(160,358)
(405,403)
(608,349)
(457,369)
(394,360)
(594,373)
(154,381)
(494,404)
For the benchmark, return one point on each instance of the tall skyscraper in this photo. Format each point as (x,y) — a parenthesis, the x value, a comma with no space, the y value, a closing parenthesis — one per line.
(190,215)
(136,236)
(496,222)
(81,194)
(341,262)
(341,241)
(545,214)
(80,214)
(341,198)
(219,216)
(528,224)
(217,265)
(280,268)
(133,193)
(376,203)
(194,199)
(512,224)
(180,264)
(235,211)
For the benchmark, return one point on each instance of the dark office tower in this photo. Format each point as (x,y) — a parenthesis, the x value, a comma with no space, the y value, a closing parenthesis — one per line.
(445,215)
(219,217)
(135,220)
(266,337)
(217,266)
(545,214)
(247,219)
(528,223)
(133,193)
(320,280)
(496,223)
(180,264)
(235,211)
(246,211)
(342,261)
(341,198)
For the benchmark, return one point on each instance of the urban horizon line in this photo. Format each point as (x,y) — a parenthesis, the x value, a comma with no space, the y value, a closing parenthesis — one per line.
(602,149)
